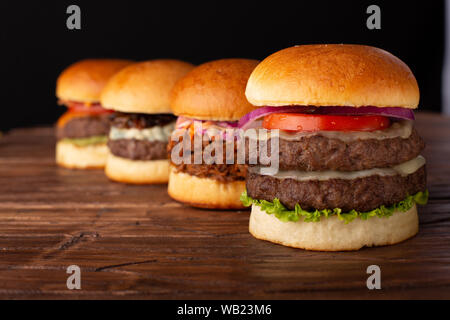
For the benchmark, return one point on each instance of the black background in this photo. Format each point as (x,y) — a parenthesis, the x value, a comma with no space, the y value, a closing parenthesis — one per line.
(36,45)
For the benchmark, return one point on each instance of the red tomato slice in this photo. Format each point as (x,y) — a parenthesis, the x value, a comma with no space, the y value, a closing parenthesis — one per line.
(94,108)
(315,122)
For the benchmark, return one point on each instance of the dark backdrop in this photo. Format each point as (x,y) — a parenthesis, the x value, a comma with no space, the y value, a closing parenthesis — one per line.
(36,45)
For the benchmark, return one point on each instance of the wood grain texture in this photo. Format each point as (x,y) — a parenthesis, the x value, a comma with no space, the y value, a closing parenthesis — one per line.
(135,242)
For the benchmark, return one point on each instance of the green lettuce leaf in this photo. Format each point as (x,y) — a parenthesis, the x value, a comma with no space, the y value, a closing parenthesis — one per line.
(282,213)
(83,142)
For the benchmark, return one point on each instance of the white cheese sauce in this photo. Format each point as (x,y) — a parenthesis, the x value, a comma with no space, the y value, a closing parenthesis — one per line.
(401,129)
(156,133)
(402,169)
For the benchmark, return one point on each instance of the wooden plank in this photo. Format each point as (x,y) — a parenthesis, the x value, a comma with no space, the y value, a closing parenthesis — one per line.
(135,242)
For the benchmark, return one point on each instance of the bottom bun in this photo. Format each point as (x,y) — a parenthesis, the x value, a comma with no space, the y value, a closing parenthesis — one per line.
(205,192)
(137,171)
(332,234)
(71,156)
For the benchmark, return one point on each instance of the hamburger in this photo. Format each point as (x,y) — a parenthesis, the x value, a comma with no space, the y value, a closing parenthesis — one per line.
(81,131)
(211,96)
(142,121)
(350,171)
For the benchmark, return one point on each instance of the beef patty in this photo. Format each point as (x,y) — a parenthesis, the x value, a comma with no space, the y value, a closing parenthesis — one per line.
(362,194)
(84,127)
(319,153)
(138,149)
(219,172)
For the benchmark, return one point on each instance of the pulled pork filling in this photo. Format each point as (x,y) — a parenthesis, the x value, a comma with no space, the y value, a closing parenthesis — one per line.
(221,172)
(123,120)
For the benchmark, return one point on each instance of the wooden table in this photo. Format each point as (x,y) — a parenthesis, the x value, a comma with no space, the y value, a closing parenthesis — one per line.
(135,242)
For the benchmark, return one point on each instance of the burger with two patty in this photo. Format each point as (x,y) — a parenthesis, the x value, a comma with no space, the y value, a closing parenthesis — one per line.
(142,122)
(350,170)
(82,131)
(209,101)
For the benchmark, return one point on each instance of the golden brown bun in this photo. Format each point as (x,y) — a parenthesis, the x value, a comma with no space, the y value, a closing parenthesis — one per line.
(136,171)
(333,75)
(205,192)
(332,234)
(83,81)
(214,90)
(144,87)
(71,156)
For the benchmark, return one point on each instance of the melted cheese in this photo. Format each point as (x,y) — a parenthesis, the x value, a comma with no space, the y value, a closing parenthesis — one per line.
(402,169)
(401,129)
(156,133)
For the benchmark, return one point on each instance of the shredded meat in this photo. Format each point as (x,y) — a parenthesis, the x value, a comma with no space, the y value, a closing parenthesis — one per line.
(221,172)
(139,120)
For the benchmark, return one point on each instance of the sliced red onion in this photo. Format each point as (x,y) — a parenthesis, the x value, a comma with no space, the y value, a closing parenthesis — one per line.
(248,120)
(92,108)
(391,112)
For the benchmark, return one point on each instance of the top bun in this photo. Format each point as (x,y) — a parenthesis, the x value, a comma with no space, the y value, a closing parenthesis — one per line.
(333,75)
(214,90)
(144,87)
(84,80)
